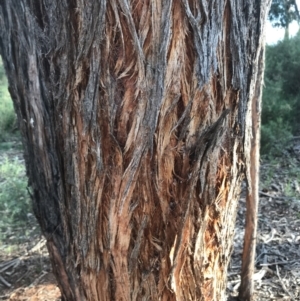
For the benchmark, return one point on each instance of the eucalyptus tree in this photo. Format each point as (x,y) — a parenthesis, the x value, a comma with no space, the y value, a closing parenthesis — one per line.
(282,13)
(136,118)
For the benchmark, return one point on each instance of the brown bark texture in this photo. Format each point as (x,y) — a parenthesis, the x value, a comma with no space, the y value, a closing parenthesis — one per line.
(252,198)
(136,122)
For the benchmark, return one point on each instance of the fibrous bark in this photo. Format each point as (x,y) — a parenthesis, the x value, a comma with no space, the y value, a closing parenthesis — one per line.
(136,127)
(252,198)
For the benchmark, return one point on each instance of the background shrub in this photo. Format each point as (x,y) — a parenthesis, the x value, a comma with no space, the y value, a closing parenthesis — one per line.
(15,203)
(7,114)
(281,95)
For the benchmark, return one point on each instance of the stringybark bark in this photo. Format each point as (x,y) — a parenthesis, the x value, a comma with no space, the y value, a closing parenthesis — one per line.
(252,198)
(136,123)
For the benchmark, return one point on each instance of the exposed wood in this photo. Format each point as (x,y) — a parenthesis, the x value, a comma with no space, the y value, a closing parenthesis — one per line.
(134,122)
(252,172)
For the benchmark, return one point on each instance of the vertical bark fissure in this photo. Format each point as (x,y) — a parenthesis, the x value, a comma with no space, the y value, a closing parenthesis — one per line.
(132,114)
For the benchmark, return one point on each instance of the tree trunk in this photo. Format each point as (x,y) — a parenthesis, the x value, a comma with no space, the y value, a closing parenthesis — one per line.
(252,198)
(136,123)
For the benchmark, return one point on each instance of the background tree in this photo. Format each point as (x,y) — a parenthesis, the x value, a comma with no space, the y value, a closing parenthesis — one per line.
(282,13)
(281,96)
(136,119)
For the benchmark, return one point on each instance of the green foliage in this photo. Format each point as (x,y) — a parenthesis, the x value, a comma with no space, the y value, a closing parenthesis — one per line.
(15,204)
(281,95)
(283,12)
(274,137)
(7,114)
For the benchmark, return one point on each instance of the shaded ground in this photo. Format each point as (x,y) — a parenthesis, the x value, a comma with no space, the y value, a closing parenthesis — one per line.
(25,275)
(25,272)
(24,263)
(277,273)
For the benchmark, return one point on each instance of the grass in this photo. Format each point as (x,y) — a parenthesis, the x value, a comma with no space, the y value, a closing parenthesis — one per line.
(15,204)
(284,172)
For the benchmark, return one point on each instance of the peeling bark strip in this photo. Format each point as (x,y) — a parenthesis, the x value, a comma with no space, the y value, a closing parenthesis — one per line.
(252,163)
(133,115)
